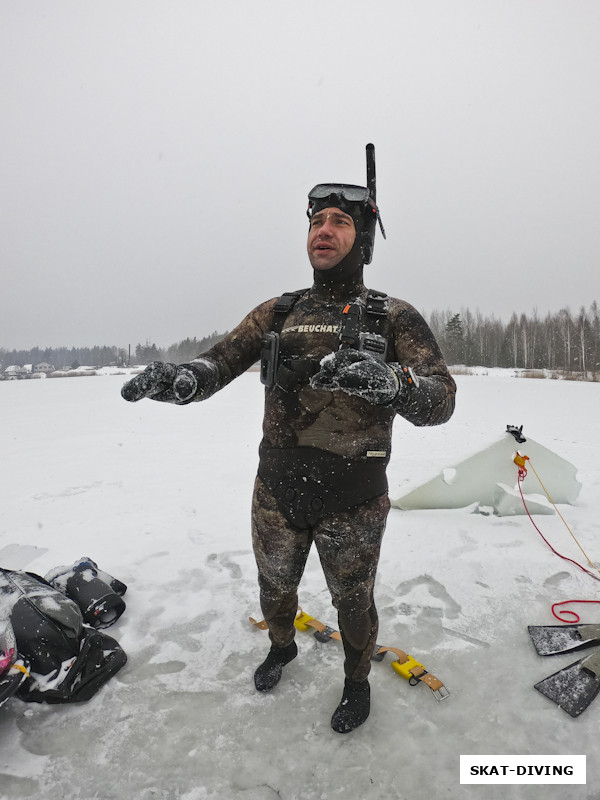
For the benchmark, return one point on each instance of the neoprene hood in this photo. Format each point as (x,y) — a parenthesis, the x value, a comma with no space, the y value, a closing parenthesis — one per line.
(359,202)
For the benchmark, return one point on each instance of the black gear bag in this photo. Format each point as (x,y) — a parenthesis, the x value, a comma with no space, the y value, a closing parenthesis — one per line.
(50,655)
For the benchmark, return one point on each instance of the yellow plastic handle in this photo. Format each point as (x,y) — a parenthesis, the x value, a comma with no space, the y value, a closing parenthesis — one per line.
(301,621)
(405,668)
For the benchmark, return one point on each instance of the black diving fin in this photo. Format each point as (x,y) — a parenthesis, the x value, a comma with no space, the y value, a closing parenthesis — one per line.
(574,687)
(550,640)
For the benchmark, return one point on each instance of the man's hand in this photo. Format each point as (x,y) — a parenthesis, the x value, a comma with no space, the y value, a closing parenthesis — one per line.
(168,383)
(361,374)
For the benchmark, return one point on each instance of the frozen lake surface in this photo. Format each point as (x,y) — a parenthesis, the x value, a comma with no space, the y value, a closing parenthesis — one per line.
(159,497)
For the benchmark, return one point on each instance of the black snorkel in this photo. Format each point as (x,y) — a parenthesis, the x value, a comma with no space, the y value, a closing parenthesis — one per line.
(371,179)
(372,188)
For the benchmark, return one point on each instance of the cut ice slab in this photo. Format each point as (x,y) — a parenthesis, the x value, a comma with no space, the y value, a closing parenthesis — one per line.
(476,479)
(508,502)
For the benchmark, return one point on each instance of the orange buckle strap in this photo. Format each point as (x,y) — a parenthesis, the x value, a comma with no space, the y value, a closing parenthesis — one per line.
(410,669)
(322,632)
(262,625)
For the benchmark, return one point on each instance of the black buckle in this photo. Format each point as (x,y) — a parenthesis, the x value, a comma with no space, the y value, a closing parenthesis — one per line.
(377,303)
(285,302)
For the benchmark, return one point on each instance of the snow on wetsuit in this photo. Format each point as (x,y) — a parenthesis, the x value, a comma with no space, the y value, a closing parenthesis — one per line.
(323,456)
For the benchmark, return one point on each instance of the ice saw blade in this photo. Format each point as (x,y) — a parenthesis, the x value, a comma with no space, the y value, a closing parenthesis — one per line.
(549,640)
(574,687)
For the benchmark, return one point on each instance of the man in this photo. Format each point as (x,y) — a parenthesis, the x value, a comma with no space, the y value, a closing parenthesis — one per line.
(338,363)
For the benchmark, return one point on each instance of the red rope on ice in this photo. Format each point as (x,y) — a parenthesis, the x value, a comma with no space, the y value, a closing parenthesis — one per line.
(522,474)
(560,615)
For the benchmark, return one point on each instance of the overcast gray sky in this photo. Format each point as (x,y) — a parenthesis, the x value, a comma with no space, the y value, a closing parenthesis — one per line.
(156,156)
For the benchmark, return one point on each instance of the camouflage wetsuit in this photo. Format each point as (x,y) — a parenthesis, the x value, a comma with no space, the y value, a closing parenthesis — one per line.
(323,455)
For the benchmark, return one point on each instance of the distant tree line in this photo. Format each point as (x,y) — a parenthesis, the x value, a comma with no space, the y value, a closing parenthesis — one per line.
(179,353)
(105,356)
(561,342)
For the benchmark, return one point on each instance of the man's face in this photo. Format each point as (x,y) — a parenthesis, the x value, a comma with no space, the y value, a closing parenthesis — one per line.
(330,238)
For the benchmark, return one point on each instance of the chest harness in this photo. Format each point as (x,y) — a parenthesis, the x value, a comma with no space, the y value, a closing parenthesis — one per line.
(363,327)
(307,482)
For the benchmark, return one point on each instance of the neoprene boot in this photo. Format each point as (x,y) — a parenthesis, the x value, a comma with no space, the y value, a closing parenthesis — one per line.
(354,706)
(268,674)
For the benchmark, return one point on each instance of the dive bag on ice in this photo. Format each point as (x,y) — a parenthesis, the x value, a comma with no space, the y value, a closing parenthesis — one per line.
(58,659)
(98,594)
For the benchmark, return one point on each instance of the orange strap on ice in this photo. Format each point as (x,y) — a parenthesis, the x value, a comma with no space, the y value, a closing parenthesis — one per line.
(411,669)
(321,628)
(262,625)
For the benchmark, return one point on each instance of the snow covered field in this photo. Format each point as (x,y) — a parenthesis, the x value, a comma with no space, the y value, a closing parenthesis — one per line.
(159,497)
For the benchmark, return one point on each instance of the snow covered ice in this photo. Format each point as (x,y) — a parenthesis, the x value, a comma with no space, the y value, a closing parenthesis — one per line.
(159,496)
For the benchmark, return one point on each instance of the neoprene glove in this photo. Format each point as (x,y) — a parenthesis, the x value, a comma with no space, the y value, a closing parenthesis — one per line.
(359,373)
(173,383)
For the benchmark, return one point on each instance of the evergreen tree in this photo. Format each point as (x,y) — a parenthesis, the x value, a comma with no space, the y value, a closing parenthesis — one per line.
(454,341)
(145,353)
